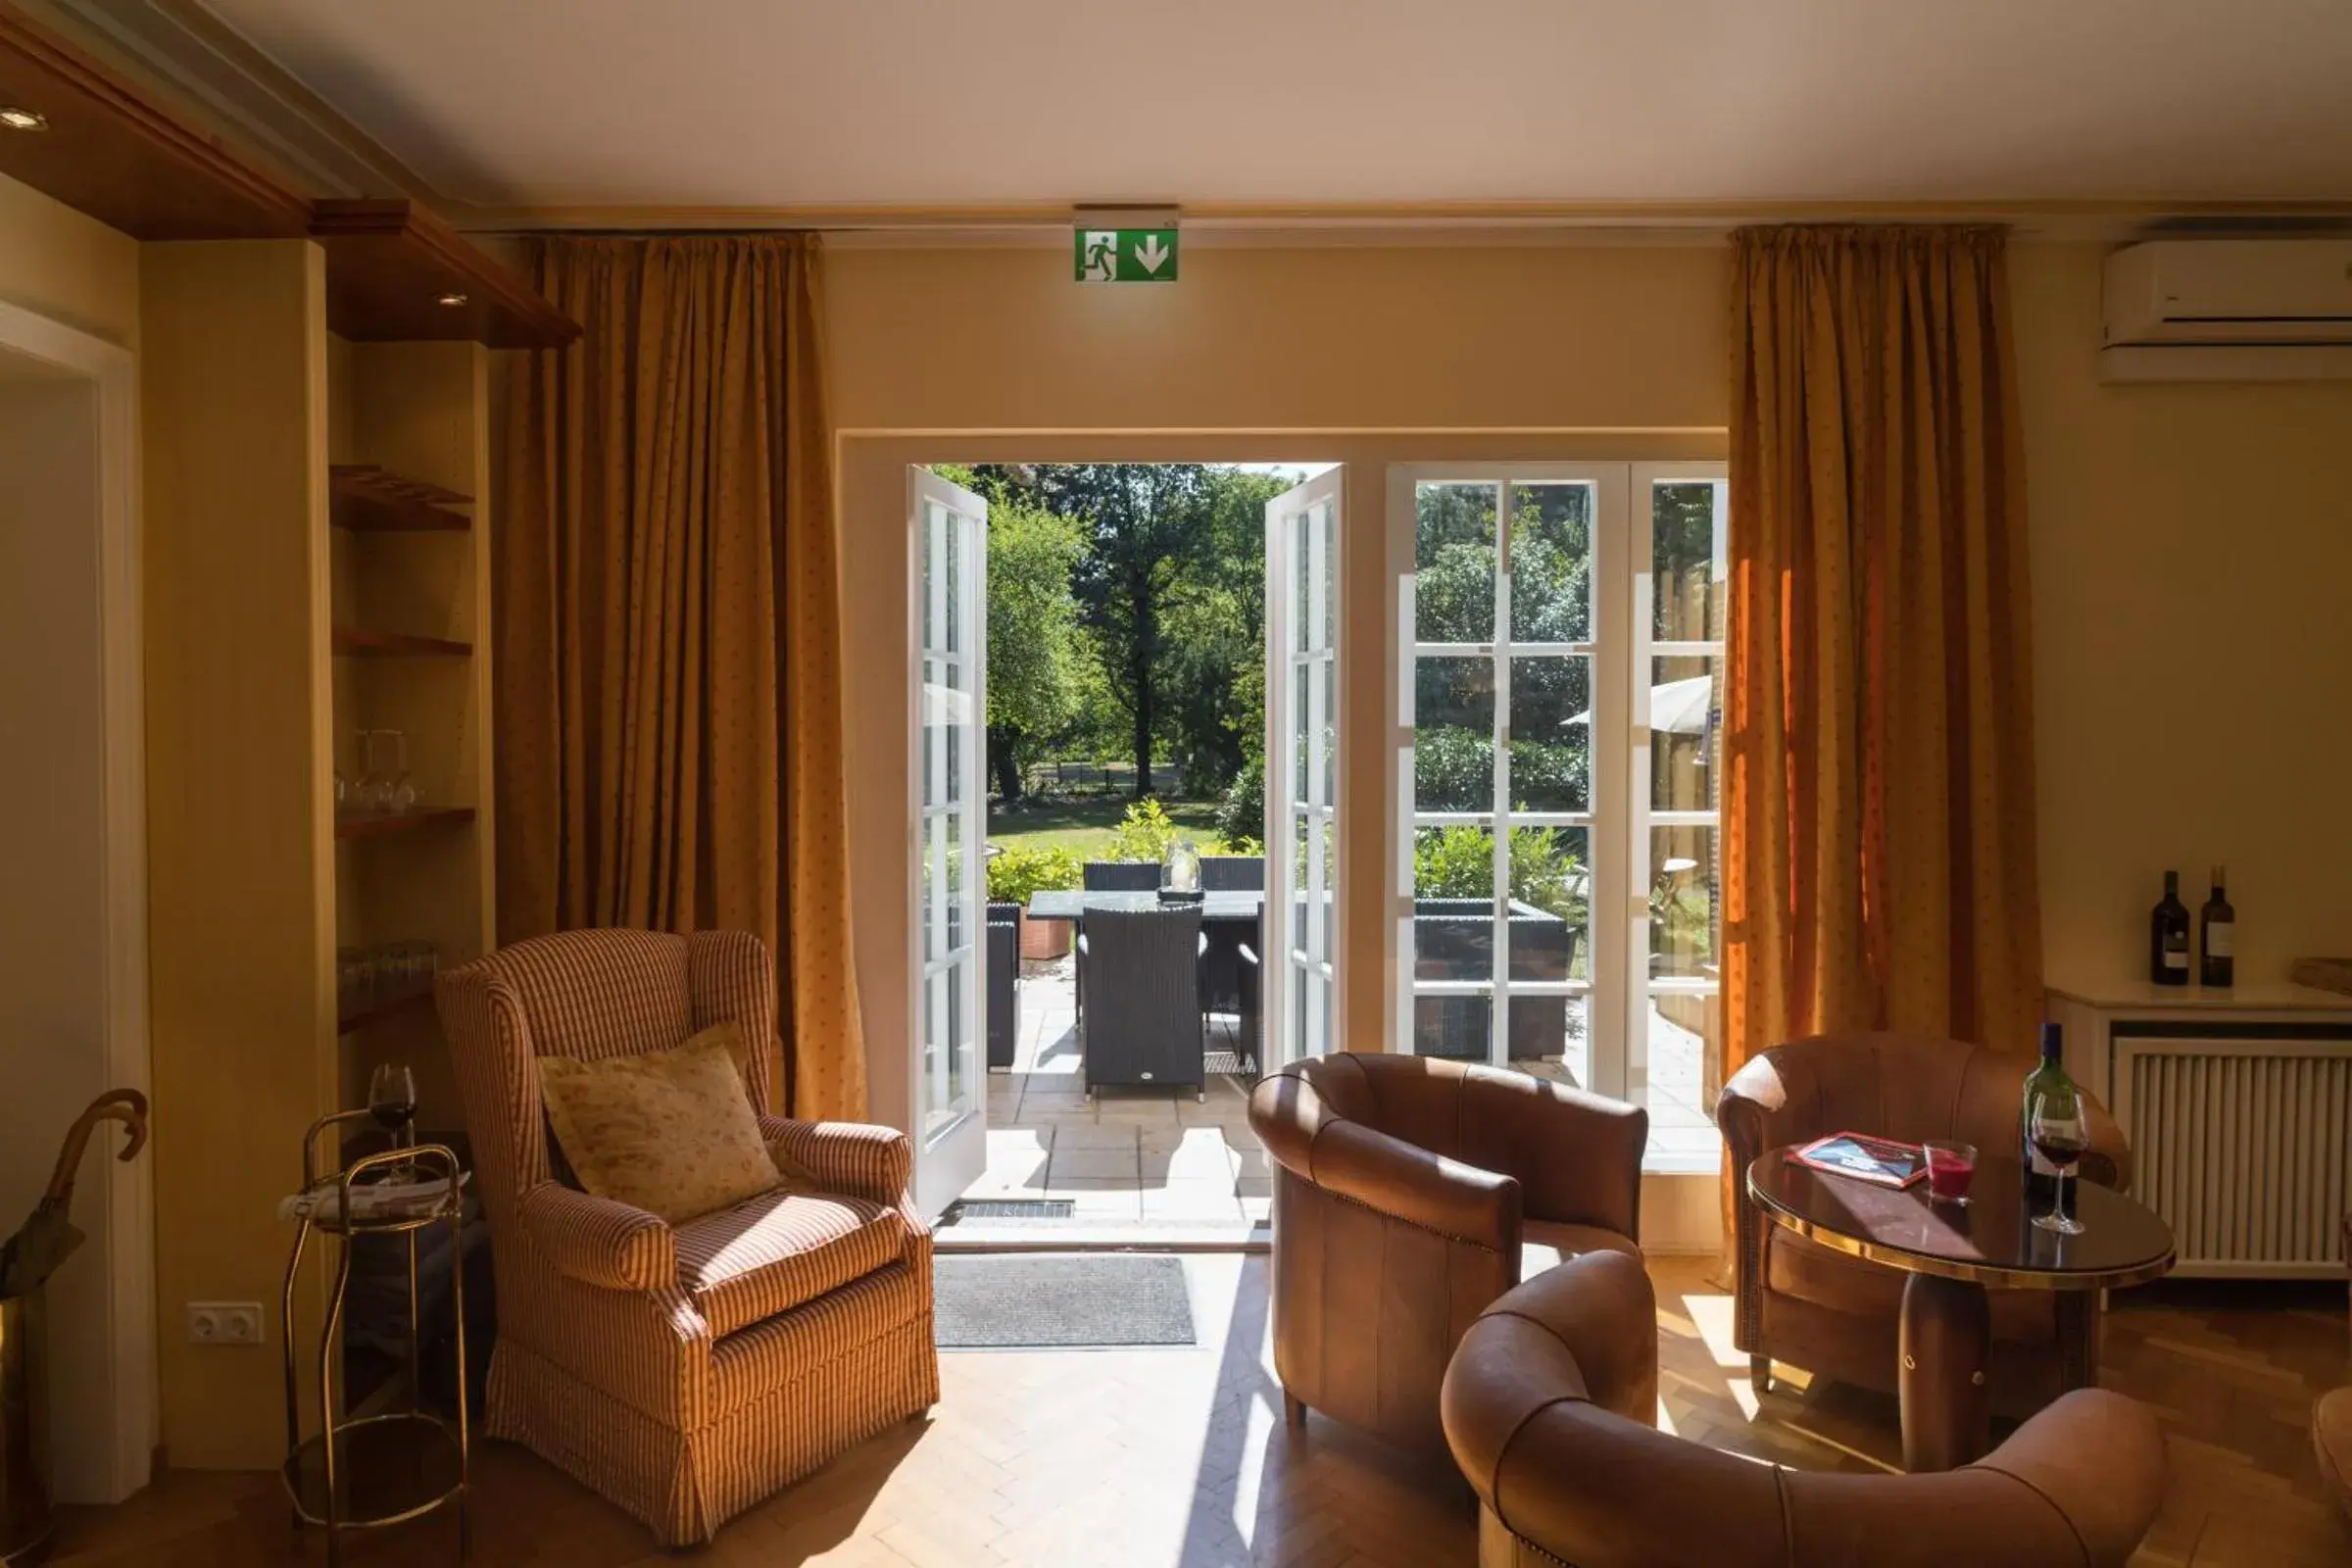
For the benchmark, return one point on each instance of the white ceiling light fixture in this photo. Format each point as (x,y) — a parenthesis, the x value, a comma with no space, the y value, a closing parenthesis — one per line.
(453,300)
(16,118)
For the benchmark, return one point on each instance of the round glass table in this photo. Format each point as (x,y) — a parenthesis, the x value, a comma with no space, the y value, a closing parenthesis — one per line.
(1952,1254)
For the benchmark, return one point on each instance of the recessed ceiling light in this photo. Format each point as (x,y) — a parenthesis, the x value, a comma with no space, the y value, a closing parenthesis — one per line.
(16,118)
(453,300)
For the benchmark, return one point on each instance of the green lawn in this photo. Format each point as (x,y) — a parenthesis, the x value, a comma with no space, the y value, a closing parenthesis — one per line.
(1084,826)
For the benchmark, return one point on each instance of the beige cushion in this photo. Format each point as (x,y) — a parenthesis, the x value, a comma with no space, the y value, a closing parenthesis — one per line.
(1544,1244)
(2332,1439)
(670,1132)
(773,1253)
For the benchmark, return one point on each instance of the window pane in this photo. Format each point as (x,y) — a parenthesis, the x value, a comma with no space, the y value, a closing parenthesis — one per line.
(1551,563)
(1298,889)
(1686,719)
(1453,734)
(1457,1028)
(1328,524)
(1551,734)
(1331,733)
(1683,911)
(954,604)
(1453,903)
(1302,727)
(1454,558)
(1548,1038)
(1302,578)
(950,876)
(1551,913)
(1686,562)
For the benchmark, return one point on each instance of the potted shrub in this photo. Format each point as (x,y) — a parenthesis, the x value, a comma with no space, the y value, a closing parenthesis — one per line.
(1018,872)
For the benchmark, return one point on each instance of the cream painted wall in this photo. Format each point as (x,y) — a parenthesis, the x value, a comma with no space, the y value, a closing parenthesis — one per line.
(2191,545)
(68,266)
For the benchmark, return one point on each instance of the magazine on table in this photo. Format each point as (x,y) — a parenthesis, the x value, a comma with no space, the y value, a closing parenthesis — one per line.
(1878,1160)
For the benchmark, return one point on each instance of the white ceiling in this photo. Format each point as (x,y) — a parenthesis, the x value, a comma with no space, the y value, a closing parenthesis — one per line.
(789,103)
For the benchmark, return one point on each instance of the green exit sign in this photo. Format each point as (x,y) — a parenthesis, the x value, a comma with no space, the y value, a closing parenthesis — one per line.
(1126,255)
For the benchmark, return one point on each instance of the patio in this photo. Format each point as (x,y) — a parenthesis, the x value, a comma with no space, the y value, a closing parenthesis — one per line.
(1155,1158)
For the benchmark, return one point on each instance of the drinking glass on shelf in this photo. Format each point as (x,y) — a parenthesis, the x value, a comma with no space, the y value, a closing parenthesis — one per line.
(401,794)
(392,1101)
(373,791)
(2055,1127)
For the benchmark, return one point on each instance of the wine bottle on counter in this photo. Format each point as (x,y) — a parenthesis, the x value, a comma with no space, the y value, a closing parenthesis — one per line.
(2048,1079)
(2217,962)
(2168,936)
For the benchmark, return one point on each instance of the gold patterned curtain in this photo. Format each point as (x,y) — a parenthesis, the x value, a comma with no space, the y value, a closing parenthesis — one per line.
(1878,850)
(669,624)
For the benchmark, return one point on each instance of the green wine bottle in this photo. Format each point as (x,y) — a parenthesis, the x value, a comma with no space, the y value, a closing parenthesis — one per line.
(2042,1177)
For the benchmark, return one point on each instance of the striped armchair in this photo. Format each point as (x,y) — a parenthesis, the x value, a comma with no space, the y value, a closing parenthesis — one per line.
(684,1372)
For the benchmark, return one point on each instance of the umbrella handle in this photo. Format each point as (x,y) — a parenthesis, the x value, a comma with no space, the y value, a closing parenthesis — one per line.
(125,1105)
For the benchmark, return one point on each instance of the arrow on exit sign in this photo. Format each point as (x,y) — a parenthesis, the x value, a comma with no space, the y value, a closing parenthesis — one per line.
(1125,255)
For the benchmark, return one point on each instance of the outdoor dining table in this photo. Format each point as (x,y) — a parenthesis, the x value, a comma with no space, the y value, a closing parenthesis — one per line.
(1240,906)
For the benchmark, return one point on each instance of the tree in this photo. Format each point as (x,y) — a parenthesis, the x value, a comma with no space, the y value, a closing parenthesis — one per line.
(1034,655)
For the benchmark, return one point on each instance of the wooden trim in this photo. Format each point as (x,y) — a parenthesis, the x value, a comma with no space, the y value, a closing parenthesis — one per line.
(391,263)
(116,154)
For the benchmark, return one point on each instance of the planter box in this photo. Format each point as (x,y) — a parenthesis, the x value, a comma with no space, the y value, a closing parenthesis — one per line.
(1045,939)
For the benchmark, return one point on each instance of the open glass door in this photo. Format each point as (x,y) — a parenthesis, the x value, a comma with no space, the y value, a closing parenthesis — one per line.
(1303,733)
(948,1124)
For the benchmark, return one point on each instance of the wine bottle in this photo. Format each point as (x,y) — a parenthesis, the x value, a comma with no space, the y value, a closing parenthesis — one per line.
(2168,936)
(2041,1176)
(2217,962)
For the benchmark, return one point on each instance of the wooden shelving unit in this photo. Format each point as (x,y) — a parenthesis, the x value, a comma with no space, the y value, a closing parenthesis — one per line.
(363,498)
(352,641)
(382,824)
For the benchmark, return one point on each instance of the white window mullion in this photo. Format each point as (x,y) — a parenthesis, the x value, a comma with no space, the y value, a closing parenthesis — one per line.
(1498,1015)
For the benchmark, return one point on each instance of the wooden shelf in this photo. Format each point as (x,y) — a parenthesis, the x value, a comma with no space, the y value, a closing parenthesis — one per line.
(376,826)
(375,1011)
(367,499)
(353,641)
(397,273)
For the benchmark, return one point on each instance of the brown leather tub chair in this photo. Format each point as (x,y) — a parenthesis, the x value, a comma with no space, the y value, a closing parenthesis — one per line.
(1836,1316)
(1409,1192)
(1549,1406)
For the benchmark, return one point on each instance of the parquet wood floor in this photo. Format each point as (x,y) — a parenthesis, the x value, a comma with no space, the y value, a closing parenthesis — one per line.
(1179,1458)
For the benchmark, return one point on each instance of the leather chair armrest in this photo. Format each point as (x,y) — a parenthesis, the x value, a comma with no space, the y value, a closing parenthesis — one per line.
(1410,1183)
(600,1241)
(2098,1458)
(1599,1182)
(854,1157)
(2108,1160)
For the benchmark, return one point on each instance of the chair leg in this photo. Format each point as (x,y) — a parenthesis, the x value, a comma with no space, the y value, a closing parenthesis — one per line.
(1293,1409)
(1759,1374)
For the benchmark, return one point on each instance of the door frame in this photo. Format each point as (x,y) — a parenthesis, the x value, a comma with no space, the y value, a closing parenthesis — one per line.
(123,1192)
(1328,488)
(951,1159)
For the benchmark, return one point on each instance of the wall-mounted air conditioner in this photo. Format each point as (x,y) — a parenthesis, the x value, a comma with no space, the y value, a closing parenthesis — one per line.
(2230,309)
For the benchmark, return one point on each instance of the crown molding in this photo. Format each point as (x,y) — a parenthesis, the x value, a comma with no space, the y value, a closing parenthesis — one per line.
(181,48)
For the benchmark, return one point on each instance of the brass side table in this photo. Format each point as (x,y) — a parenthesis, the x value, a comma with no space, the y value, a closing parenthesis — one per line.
(367,1472)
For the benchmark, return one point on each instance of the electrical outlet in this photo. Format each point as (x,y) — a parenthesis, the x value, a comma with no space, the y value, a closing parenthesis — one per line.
(225,1322)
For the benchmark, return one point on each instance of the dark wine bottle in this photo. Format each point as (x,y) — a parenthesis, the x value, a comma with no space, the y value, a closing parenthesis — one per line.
(2041,1176)
(2168,936)
(2217,962)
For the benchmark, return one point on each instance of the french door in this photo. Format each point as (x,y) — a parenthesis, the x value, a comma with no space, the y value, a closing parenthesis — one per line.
(1303,769)
(949,528)
(1560,694)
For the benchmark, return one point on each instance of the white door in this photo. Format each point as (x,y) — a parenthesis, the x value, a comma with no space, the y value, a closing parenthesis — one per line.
(1300,1000)
(949,1126)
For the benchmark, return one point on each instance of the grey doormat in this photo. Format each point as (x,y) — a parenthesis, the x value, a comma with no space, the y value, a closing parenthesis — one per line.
(1019,1302)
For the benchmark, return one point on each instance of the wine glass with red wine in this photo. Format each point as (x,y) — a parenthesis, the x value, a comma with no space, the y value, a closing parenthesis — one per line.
(2055,1127)
(392,1101)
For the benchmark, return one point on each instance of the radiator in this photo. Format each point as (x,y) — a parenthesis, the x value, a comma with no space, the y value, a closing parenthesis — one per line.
(2244,1147)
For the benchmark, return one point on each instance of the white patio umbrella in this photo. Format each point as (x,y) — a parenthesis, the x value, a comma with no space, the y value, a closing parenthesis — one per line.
(1676,706)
